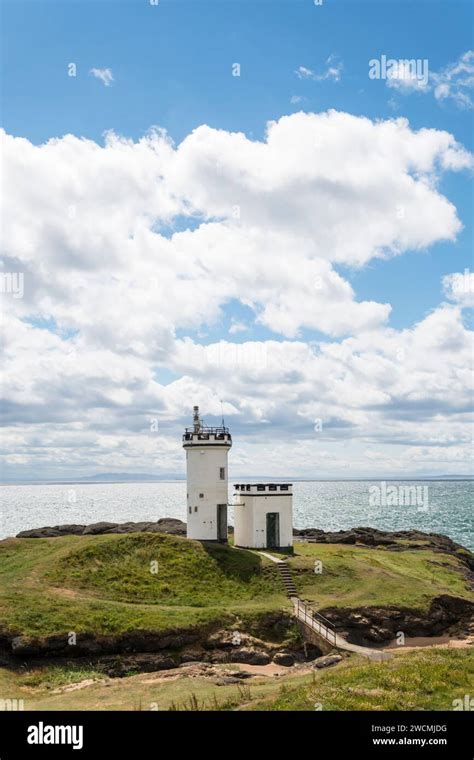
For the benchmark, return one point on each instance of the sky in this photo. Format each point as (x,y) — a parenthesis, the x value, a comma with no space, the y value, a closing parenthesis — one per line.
(264,208)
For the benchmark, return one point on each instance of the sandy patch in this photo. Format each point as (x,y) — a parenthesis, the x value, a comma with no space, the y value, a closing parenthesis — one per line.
(416,642)
(272,669)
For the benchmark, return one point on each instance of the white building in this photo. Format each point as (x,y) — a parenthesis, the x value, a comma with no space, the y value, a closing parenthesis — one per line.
(263,515)
(206,469)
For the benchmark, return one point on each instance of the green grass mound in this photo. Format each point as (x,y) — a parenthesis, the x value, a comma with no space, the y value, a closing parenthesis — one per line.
(418,680)
(108,584)
(154,568)
(356,576)
(112,583)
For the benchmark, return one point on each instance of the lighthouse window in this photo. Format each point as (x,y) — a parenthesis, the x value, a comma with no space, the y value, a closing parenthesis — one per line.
(195,509)
(190,510)
(222,473)
(260,488)
(201,496)
(272,488)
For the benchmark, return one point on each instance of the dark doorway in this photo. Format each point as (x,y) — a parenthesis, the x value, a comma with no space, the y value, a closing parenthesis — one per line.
(273,530)
(222,522)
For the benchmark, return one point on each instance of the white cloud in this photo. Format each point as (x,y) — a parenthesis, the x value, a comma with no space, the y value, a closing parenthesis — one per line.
(459,287)
(407,77)
(105,75)
(90,226)
(333,70)
(454,82)
(237,327)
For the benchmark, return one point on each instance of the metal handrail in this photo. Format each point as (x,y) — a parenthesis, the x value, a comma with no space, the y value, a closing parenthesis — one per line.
(311,618)
(207,429)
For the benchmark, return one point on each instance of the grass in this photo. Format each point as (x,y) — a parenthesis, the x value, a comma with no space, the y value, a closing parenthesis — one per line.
(159,569)
(146,691)
(356,576)
(108,584)
(417,680)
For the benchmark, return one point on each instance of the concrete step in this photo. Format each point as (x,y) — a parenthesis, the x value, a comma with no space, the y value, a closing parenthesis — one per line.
(287,579)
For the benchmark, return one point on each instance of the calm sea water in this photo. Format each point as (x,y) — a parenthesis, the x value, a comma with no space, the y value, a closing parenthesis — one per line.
(446,506)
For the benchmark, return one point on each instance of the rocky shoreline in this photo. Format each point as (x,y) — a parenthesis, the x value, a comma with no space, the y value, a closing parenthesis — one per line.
(147,651)
(380,625)
(365,536)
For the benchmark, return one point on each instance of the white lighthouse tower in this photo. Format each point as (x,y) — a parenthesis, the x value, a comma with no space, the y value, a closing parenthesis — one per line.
(206,472)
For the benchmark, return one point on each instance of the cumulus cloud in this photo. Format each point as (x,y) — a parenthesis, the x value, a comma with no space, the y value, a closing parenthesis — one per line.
(105,75)
(106,336)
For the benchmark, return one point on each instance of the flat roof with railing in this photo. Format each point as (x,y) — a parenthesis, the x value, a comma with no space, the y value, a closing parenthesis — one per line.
(205,433)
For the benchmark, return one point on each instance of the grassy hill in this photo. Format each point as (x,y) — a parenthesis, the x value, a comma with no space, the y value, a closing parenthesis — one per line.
(116,583)
(357,576)
(110,584)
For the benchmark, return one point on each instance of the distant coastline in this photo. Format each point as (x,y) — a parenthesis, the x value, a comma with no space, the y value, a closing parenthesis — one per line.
(126,478)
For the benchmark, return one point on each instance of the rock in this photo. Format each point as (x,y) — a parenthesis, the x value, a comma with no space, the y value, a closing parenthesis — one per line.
(89,644)
(117,667)
(249,656)
(379,635)
(51,532)
(220,656)
(326,661)
(99,528)
(168,525)
(194,655)
(380,624)
(224,639)
(284,658)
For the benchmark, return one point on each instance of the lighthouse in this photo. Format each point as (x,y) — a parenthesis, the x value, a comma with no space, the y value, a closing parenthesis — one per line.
(207,479)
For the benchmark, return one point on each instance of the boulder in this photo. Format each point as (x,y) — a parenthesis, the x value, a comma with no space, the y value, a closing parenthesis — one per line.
(326,661)
(284,658)
(249,656)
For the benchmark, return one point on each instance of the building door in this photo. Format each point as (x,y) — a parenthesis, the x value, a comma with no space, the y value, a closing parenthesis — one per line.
(273,530)
(222,522)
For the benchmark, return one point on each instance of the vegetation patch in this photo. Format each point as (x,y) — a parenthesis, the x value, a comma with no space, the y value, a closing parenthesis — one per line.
(329,575)
(417,680)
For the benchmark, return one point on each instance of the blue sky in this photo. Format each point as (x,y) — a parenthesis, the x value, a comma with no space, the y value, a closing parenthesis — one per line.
(171,68)
(171,65)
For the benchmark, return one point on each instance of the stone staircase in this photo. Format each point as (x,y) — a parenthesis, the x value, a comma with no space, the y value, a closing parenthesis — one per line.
(287,579)
(316,622)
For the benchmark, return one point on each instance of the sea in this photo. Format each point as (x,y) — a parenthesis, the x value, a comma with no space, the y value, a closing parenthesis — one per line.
(436,506)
